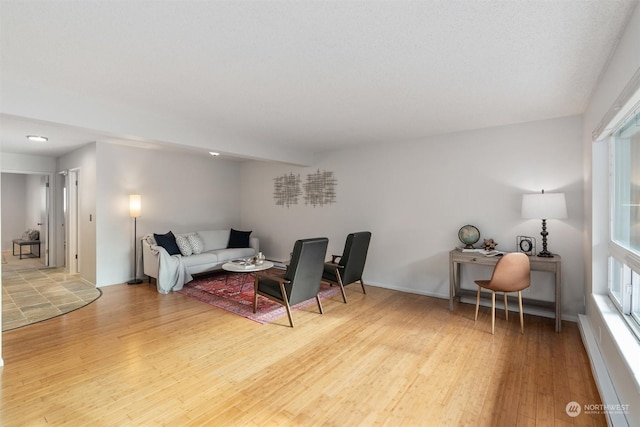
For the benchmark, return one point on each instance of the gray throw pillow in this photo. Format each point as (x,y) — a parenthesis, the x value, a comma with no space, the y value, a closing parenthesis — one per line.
(197,245)
(184,245)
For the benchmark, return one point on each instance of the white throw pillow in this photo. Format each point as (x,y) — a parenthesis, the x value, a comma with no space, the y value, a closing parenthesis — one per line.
(184,245)
(197,245)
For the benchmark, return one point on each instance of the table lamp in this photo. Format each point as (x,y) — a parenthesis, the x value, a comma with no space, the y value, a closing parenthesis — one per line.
(544,206)
(135,207)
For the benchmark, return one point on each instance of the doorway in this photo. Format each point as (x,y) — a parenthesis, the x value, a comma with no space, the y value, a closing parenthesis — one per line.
(71,210)
(26,205)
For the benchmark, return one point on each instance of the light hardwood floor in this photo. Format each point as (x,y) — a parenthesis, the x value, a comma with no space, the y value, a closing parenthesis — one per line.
(135,357)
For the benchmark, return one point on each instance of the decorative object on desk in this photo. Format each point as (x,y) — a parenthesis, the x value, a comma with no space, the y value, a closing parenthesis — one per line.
(469,235)
(544,206)
(526,245)
(489,253)
(135,208)
(489,245)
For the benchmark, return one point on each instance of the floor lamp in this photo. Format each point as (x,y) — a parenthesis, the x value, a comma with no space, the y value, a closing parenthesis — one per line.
(544,206)
(135,206)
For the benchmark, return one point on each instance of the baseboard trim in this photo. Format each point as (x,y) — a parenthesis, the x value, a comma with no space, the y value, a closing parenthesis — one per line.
(407,290)
(600,373)
(527,310)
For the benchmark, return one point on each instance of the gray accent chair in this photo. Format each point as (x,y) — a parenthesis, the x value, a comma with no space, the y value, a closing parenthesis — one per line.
(300,282)
(347,268)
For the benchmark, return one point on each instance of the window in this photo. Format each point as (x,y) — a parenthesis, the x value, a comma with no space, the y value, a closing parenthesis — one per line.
(626,185)
(624,208)
(635,300)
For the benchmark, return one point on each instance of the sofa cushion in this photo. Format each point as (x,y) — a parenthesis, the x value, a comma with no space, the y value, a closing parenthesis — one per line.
(168,242)
(184,245)
(214,239)
(197,245)
(200,259)
(238,239)
(225,255)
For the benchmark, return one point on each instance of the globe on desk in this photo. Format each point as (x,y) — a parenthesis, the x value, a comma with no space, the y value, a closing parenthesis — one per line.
(469,235)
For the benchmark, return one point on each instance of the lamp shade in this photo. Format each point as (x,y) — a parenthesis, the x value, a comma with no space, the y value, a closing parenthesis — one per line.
(544,206)
(135,205)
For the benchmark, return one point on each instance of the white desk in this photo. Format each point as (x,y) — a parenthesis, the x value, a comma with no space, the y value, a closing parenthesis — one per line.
(552,265)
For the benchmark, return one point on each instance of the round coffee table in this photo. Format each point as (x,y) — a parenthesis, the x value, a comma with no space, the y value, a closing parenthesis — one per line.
(242,268)
(235,267)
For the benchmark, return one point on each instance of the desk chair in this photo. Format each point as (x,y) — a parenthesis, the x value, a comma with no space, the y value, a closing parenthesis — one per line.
(512,273)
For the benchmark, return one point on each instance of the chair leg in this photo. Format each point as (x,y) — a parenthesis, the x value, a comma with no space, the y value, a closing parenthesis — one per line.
(521,314)
(344,296)
(493,312)
(477,304)
(506,307)
(364,291)
(285,298)
(319,304)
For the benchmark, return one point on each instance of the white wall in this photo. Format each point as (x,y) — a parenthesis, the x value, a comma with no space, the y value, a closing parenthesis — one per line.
(622,66)
(33,196)
(25,163)
(179,191)
(415,197)
(1,234)
(14,207)
(84,160)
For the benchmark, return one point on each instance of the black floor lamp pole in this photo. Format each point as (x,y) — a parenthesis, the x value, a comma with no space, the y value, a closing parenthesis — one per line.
(135,280)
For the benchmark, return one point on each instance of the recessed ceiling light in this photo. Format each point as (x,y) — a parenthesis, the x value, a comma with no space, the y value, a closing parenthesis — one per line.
(213,153)
(37,138)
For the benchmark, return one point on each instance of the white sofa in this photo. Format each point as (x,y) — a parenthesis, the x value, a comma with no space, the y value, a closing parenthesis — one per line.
(173,271)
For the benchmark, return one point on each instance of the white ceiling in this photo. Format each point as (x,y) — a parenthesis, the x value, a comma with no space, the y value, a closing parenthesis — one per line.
(255,77)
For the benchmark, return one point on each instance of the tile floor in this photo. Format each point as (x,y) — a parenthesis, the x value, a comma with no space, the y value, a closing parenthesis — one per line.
(32,292)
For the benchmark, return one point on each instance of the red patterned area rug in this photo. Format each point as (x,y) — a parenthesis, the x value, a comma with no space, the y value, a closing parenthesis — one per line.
(234,292)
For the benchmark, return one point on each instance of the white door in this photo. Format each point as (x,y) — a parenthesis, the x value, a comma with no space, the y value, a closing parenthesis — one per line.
(60,220)
(72,222)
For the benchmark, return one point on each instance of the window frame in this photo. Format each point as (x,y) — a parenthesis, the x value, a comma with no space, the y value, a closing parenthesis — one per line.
(620,257)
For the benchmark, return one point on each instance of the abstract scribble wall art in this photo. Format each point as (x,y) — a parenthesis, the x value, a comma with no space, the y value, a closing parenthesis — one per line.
(286,190)
(319,189)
